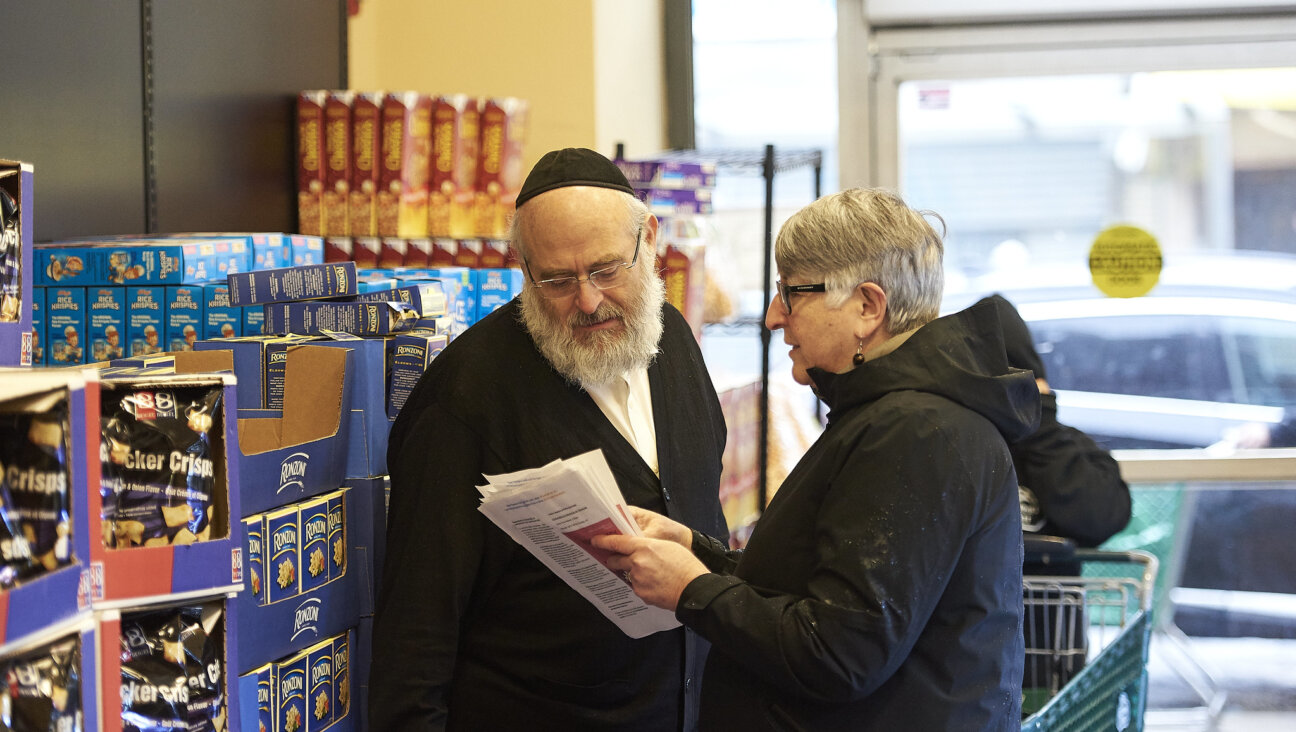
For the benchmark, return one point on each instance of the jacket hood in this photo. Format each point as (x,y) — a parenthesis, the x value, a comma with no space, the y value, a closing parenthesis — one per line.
(961,357)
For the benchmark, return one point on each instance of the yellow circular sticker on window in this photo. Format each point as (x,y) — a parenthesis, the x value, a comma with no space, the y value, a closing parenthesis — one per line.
(1125,261)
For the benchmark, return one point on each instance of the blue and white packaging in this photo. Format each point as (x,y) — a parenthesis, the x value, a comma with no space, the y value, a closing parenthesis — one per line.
(65,325)
(495,287)
(408,356)
(428,298)
(254,561)
(306,282)
(162,261)
(184,316)
(220,319)
(106,322)
(356,318)
(312,516)
(321,703)
(306,249)
(145,320)
(253,320)
(38,326)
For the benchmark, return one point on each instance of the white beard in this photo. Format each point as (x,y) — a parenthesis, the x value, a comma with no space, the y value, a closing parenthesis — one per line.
(601,356)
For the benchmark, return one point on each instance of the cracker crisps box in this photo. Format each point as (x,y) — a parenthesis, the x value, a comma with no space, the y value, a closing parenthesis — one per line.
(320,694)
(337,540)
(65,325)
(106,323)
(220,319)
(366,146)
(253,530)
(38,326)
(342,675)
(315,550)
(310,158)
(145,320)
(454,165)
(184,316)
(290,707)
(501,138)
(403,169)
(283,554)
(337,163)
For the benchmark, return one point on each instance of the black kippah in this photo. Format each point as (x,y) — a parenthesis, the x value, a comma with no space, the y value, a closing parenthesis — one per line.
(572,166)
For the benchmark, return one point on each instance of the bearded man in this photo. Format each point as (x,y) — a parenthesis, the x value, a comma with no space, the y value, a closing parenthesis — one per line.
(471,631)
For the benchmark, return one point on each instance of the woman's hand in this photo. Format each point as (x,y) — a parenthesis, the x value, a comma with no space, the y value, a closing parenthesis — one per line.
(657,526)
(658,570)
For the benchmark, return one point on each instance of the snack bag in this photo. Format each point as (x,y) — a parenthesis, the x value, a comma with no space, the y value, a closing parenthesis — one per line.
(158,465)
(172,670)
(42,689)
(34,480)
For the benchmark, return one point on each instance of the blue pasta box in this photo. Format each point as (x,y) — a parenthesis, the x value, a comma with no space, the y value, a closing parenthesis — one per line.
(145,320)
(495,287)
(283,554)
(254,557)
(220,319)
(17,336)
(287,284)
(106,322)
(337,537)
(321,701)
(290,698)
(428,298)
(257,686)
(408,356)
(356,318)
(313,519)
(38,326)
(342,674)
(184,316)
(65,325)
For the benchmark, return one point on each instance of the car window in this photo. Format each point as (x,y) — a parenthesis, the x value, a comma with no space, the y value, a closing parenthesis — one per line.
(1179,357)
(1266,359)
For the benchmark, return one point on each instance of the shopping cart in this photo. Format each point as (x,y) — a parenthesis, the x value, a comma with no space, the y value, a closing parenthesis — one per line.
(1087,640)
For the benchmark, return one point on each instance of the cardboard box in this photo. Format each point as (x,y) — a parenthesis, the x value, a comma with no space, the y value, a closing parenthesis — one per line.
(25,666)
(65,325)
(668,174)
(145,320)
(106,323)
(683,269)
(368,538)
(495,288)
(365,251)
(502,136)
(366,147)
(454,165)
(392,252)
(38,326)
(279,694)
(337,163)
(338,249)
(443,253)
(274,354)
(294,621)
(356,318)
(406,158)
(310,162)
(409,355)
(418,252)
(306,282)
(160,261)
(56,595)
(184,316)
(220,319)
(427,298)
(306,250)
(16,276)
(665,202)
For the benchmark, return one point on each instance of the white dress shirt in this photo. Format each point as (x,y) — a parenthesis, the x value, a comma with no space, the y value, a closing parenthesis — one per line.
(627,403)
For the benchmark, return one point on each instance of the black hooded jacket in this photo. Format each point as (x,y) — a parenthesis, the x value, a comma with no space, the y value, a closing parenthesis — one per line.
(881,589)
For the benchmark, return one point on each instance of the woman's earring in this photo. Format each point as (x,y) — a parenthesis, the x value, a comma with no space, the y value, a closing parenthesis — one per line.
(858,358)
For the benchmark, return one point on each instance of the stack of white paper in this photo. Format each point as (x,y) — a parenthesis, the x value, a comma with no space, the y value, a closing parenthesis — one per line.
(553,511)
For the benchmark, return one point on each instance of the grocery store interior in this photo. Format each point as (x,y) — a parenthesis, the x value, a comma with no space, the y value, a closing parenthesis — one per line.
(1032,129)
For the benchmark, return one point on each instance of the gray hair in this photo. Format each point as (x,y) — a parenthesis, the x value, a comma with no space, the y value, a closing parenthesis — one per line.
(636,213)
(868,235)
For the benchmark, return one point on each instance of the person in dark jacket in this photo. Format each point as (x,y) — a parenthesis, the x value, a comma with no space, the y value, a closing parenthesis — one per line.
(1070,486)
(881,589)
(472,632)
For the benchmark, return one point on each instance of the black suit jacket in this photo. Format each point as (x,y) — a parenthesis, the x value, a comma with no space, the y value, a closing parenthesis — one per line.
(471,631)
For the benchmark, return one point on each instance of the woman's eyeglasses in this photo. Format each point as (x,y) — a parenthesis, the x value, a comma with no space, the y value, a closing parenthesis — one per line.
(787,291)
(606,278)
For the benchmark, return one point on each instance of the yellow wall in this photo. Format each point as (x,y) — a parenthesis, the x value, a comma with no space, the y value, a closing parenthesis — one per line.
(591,69)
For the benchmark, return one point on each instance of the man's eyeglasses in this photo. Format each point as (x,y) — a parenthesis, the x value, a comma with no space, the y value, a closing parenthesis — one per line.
(604,279)
(787,291)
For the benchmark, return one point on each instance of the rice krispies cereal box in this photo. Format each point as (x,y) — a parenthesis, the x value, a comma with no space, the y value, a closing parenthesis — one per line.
(65,325)
(184,316)
(145,320)
(38,326)
(106,322)
(220,319)
(310,157)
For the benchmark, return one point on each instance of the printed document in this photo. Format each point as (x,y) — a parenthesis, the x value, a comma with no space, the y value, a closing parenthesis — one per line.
(553,511)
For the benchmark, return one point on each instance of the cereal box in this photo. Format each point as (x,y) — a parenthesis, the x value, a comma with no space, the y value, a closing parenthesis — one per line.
(106,322)
(38,326)
(502,134)
(454,165)
(220,319)
(335,199)
(315,549)
(366,131)
(403,171)
(310,168)
(65,325)
(283,555)
(145,320)
(184,316)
